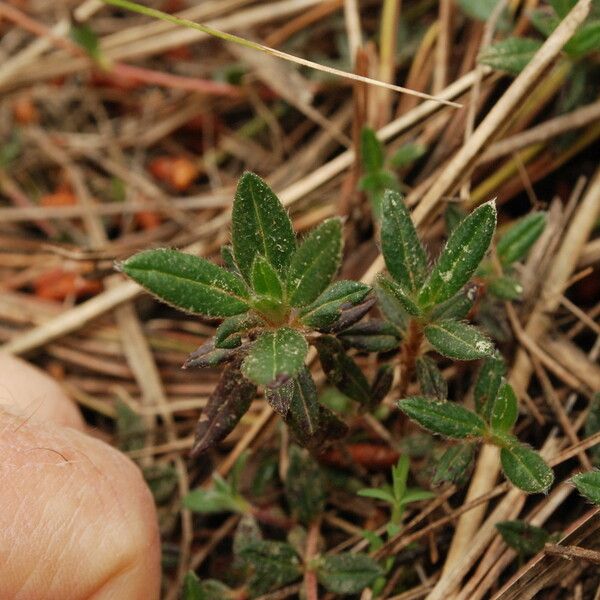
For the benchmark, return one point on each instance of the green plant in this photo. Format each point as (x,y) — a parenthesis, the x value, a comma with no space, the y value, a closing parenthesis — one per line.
(523,537)
(276,297)
(429,305)
(378,174)
(398,496)
(497,412)
(588,485)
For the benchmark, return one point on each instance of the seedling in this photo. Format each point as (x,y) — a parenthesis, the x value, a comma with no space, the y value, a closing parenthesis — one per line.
(276,297)
(379,174)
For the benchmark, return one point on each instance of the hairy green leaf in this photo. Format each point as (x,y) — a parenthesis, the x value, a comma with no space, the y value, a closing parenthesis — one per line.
(260,225)
(275,355)
(458,340)
(304,486)
(209,356)
(226,405)
(209,589)
(588,485)
(455,464)
(445,418)
(430,379)
(188,282)
(404,255)
(526,539)
(230,331)
(315,263)
(328,307)
(516,242)
(382,384)
(347,573)
(274,564)
(504,410)
(401,296)
(390,306)
(460,257)
(511,55)
(525,468)
(487,384)
(457,307)
(371,336)
(265,280)
(304,409)
(341,370)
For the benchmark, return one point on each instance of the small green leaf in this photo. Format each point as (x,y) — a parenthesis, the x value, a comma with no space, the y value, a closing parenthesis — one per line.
(209,356)
(544,22)
(216,499)
(131,430)
(526,539)
(458,340)
(191,587)
(371,151)
(460,257)
(487,384)
(585,40)
(415,495)
(430,379)
(227,404)
(275,355)
(525,468)
(228,260)
(504,410)
(407,154)
(209,589)
(162,479)
(458,307)
(401,296)
(505,288)
(562,7)
(384,494)
(246,533)
(516,242)
(404,255)
(304,410)
(347,573)
(260,225)
(371,336)
(453,215)
(304,486)
(375,185)
(274,564)
(400,476)
(230,331)
(445,418)
(391,307)
(315,263)
(455,464)
(341,370)
(265,280)
(511,55)
(478,9)
(588,485)
(85,38)
(328,307)
(188,282)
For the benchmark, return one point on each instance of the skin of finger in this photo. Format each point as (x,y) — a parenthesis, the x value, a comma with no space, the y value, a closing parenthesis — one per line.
(28,392)
(76,518)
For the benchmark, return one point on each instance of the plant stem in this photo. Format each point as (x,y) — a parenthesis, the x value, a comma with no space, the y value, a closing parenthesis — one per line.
(311,585)
(573,553)
(410,352)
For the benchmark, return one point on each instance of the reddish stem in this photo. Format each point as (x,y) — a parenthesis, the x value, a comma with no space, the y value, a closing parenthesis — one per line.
(410,352)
